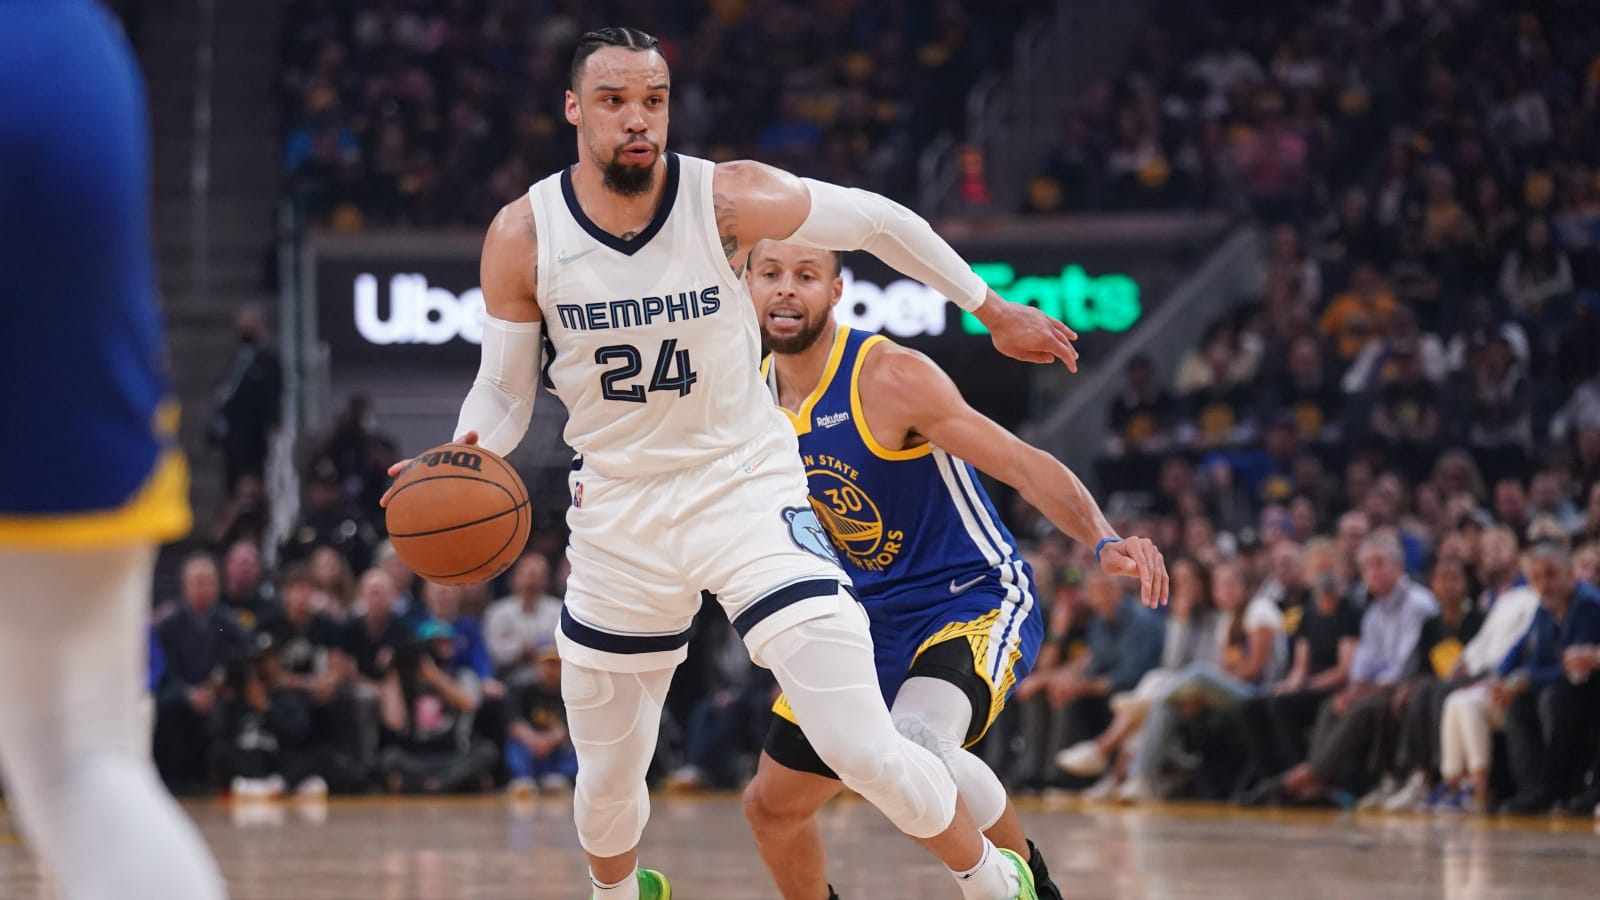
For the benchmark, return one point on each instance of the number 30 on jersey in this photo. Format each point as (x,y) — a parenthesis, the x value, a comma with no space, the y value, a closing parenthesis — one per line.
(673,371)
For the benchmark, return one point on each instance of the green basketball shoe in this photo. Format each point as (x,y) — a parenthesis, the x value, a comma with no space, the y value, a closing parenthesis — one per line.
(1025,887)
(654,886)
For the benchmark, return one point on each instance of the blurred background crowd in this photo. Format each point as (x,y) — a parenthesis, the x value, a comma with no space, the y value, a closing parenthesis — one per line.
(1377,484)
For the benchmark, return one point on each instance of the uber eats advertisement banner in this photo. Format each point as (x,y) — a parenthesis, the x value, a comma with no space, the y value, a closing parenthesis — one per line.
(421,313)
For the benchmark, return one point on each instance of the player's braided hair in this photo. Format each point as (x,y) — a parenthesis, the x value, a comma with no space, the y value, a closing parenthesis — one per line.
(613,36)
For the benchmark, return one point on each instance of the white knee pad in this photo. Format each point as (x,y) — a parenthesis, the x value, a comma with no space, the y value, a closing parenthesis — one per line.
(936,714)
(826,671)
(614,719)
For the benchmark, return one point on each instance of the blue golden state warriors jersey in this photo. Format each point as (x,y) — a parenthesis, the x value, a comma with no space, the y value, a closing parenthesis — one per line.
(929,556)
(86,427)
(906,521)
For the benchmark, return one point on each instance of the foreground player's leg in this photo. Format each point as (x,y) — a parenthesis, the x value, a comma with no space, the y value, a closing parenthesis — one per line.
(74,736)
(614,718)
(938,715)
(781,805)
(825,668)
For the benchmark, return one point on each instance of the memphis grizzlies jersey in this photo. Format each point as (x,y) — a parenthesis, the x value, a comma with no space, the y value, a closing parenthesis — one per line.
(655,339)
(86,424)
(914,526)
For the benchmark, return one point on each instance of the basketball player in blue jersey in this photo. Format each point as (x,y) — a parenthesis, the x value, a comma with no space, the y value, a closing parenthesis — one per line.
(92,481)
(889,448)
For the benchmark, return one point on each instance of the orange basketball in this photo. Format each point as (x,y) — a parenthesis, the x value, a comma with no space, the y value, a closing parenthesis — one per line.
(459,514)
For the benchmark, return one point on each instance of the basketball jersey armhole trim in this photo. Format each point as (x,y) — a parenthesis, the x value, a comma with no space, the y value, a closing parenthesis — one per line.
(801,418)
(858,411)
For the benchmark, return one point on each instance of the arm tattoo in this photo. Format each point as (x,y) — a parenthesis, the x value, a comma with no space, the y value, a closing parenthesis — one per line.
(727,228)
(533,235)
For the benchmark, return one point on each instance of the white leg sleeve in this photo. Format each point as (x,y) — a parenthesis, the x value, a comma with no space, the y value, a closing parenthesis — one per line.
(614,719)
(936,714)
(826,671)
(75,734)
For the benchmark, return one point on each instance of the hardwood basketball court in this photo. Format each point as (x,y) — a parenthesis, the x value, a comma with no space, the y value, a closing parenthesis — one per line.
(493,849)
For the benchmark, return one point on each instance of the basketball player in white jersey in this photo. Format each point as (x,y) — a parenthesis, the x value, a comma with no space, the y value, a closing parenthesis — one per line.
(627,268)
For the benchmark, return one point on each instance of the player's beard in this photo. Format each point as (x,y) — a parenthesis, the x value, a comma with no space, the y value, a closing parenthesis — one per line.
(629,181)
(801,342)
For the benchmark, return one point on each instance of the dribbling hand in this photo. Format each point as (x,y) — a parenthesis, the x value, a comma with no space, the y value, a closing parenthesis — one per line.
(1137,557)
(470,437)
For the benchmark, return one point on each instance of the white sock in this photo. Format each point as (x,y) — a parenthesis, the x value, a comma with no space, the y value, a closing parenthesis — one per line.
(626,889)
(993,878)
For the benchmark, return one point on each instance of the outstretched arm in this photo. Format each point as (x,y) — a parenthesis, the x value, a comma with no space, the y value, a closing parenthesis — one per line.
(756,202)
(907,398)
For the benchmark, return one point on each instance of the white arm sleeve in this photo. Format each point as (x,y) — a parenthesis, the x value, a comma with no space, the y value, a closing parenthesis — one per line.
(500,403)
(853,219)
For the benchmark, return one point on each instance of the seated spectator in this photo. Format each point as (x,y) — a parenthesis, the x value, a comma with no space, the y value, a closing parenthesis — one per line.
(1251,650)
(1141,426)
(1124,641)
(1309,394)
(443,603)
(374,635)
(539,752)
(518,626)
(328,518)
(1551,727)
(408,606)
(427,712)
(1437,658)
(1324,626)
(199,640)
(336,585)
(1497,565)
(1066,644)
(245,593)
(1536,277)
(1345,749)
(1546,498)
(1190,638)
(1406,413)
(1496,407)
(1211,384)
(1360,314)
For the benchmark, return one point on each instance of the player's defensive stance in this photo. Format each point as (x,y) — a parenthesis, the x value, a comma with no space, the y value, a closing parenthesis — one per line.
(92,481)
(889,447)
(688,480)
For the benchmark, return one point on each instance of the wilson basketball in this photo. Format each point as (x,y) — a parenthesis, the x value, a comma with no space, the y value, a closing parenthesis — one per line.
(459,515)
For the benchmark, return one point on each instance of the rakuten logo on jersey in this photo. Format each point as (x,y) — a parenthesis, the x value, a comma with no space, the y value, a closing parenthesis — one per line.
(904,308)
(418,314)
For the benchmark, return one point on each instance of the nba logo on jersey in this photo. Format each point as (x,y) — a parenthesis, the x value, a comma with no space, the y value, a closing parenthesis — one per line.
(577,495)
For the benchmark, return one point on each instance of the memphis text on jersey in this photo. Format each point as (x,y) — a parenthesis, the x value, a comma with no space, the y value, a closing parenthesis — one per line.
(850,516)
(603,314)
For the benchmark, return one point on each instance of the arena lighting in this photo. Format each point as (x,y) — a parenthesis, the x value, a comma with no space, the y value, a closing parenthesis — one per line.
(420,313)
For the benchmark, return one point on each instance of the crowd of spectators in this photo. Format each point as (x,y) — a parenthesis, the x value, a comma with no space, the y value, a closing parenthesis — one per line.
(1378,487)
(423,113)
(1380,483)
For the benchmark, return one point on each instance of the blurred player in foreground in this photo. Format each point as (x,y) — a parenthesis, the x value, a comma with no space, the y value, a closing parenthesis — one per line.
(92,482)
(889,447)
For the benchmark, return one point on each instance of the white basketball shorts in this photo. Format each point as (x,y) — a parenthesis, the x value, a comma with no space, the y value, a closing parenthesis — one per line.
(644,550)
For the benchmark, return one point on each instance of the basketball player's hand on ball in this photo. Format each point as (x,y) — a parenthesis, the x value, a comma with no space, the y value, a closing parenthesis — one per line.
(1137,557)
(470,437)
(1022,332)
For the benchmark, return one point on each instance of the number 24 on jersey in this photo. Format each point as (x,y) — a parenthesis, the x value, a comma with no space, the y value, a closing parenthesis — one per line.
(673,371)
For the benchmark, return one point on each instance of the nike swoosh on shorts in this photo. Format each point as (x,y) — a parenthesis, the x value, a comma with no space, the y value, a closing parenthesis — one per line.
(958,588)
